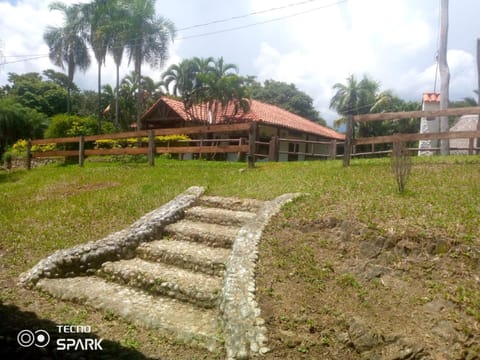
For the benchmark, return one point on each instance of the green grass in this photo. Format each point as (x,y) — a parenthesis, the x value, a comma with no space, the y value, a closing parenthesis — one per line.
(55,207)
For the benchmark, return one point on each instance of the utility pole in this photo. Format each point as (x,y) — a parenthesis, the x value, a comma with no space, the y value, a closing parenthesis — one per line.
(444,74)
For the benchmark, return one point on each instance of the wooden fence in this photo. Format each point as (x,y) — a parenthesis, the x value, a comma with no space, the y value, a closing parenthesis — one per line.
(197,146)
(351,143)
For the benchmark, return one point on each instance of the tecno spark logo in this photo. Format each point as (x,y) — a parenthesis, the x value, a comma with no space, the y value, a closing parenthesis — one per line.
(41,338)
(27,338)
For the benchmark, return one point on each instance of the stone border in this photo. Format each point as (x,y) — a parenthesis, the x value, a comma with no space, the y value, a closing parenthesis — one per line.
(87,258)
(244,330)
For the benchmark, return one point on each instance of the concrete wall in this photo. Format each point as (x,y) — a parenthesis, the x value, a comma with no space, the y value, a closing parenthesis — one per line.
(429,125)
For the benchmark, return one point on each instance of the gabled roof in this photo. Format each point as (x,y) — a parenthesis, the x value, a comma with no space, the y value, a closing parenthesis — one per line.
(259,112)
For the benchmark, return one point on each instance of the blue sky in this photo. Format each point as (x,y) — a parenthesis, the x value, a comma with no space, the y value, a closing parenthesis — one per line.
(394,42)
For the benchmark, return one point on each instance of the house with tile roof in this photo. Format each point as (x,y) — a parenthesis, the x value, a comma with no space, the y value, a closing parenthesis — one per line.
(271,121)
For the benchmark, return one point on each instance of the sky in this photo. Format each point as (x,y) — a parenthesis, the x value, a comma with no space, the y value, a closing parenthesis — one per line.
(311,43)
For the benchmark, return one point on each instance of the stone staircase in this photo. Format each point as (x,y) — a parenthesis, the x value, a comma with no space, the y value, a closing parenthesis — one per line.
(173,283)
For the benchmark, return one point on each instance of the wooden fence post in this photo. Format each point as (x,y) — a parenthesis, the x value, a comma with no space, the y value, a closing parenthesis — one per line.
(252,138)
(151,148)
(29,155)
(81,150)
(347,152)
(333,149)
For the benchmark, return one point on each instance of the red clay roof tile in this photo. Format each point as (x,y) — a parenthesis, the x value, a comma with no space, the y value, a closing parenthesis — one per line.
(259,112)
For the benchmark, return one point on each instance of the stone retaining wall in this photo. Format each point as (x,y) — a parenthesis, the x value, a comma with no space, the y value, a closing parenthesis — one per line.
(244,330)
(87,258)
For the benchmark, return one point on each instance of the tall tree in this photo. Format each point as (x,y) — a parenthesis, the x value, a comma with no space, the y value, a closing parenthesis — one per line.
(96,17)
(355,97)
(118,30)
(149,38)
(286,96)
(444,74)
(67,45)
(181,77)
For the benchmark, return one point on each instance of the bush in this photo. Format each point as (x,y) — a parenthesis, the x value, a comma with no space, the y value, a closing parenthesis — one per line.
(71,125)
(401,164)
(168,140)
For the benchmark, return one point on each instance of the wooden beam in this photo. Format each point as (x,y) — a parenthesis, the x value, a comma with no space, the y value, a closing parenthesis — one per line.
(203,129)
(416,137)
(55,153)
(203,149)
(124,151)
(75,139)
(474,110)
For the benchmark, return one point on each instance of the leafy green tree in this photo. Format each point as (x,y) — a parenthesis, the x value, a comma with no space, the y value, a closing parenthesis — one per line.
(19,122)
(32,91)
(67,46)
(148,40)
(286,96)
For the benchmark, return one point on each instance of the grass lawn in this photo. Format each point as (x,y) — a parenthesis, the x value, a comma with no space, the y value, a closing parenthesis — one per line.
(56,207)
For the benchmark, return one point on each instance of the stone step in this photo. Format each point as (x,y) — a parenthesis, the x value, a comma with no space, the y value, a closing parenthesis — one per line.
(186,255)
(196,326)
(230,203)
(219,216)
(160,279)
(209,234)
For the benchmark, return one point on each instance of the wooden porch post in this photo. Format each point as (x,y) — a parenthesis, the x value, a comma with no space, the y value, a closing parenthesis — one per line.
(333,149)
(347,152)
(273,149)
(252,138)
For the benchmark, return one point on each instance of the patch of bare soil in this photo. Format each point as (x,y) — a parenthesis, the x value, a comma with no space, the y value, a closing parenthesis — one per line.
(334,289)
(67,189)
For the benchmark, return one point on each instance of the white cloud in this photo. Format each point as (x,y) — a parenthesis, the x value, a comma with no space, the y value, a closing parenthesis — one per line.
(23,26)
(392,41)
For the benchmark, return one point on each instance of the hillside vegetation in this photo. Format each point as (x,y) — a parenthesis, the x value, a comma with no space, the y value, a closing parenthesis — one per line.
(351,259)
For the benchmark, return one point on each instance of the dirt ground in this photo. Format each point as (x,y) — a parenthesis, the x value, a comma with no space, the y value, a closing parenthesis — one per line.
(335,289)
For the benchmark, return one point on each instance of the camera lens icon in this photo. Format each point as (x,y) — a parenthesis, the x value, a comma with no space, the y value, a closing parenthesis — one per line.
(27,338)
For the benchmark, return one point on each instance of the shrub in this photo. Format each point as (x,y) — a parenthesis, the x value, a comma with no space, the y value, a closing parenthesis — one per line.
(168,140)
(71,125)
(401,164)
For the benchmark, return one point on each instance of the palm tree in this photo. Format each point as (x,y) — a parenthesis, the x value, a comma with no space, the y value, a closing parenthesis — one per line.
(356,97)
(67,46)
(182,76)
(221,69)
(148,40)
(118,34)
(96,18)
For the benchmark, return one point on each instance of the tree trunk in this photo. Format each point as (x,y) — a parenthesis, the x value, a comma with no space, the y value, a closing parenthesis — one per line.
(99,96)
(116,97)
(138,68)
(444,75)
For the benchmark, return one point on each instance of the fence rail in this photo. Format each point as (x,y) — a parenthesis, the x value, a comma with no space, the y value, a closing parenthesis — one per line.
(194,146)
(351,143)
